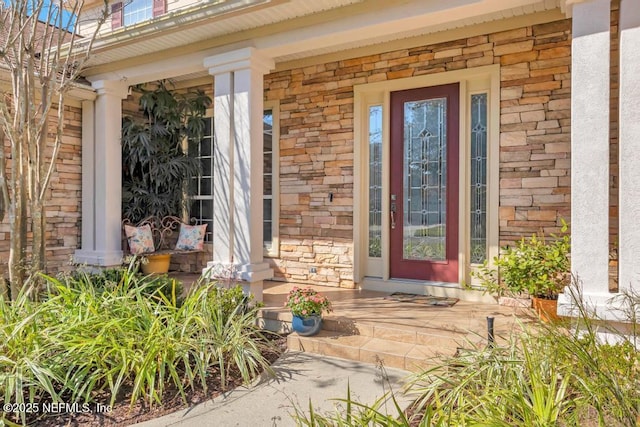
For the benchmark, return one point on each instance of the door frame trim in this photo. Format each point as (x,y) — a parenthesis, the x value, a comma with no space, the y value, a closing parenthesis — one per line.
(473,80)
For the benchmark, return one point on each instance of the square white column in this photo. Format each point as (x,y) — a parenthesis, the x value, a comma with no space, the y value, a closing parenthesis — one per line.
(629,146)
(102,176)
(590,68)
(238,165)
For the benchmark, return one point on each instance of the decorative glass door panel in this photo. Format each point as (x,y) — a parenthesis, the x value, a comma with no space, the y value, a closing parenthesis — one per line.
(424,184)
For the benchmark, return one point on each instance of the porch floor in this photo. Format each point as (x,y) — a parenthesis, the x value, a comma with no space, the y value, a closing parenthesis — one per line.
(366,326)
(369,327)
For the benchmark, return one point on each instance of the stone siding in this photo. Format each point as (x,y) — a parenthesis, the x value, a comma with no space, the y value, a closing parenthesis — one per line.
(63,223)
(316,141)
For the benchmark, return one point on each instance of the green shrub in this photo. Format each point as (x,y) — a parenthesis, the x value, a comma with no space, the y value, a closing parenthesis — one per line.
(536,266)
(545,375)
(128,275)
(26,371)
(82,339)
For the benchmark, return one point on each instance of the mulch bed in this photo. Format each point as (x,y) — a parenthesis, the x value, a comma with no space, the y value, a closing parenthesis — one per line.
(122,414)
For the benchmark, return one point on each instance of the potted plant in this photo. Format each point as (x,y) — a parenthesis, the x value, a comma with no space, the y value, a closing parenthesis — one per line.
(156,142)
(534,266)
(307,306)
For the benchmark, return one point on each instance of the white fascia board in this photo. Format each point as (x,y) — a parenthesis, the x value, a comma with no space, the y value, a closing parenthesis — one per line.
(163,69)
(171,21)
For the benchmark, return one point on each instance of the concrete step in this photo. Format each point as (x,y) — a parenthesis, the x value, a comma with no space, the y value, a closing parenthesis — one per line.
(400,346)
(400,342)
(390,353)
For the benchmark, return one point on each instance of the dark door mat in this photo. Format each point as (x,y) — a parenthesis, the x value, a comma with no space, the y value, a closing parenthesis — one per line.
(423,299)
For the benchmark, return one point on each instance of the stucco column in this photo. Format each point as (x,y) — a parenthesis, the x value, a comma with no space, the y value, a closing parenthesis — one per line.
(102,176)
(629,143)
(590,70)
(238,165)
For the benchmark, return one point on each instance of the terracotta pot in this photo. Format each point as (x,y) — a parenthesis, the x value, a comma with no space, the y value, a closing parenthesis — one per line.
(157,263)
(547,309)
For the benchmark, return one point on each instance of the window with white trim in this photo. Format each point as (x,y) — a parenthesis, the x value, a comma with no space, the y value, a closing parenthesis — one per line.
(202,190)
(478,181)
(137,11)
(270,203)
(131,12)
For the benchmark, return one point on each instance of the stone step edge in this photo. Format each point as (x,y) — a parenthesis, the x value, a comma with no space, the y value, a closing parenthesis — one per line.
(413,356)
(420,339)
(369,328)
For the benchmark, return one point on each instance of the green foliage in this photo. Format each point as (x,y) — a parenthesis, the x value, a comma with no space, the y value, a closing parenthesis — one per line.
(156,165)
(357,414)
(536,266)
(82,341)
(306,302)
(542,378)
(544,375)
(110,278)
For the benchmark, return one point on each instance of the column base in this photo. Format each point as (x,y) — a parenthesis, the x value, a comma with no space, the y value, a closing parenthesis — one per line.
(98,258)
(250,276)
(602,306)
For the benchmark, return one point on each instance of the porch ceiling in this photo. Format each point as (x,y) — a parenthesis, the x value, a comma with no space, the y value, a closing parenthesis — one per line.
(289,30)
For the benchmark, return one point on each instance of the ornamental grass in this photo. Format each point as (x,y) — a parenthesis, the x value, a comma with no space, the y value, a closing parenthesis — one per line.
(128,337)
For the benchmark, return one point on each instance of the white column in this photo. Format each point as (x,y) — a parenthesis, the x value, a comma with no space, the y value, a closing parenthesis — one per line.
(238,165)
(590,68)
(102,176)
(629,146)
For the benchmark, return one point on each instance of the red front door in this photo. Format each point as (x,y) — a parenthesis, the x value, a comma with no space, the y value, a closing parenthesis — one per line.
(424,183)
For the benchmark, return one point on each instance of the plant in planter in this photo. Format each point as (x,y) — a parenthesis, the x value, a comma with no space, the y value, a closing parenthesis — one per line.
(307,306)
(535,267)
(156,166)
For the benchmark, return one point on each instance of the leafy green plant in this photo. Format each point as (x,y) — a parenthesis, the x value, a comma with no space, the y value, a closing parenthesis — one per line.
(536,266)
(156,164)
(354,413)
(307,302)
(542,375)
(81,341)
(129,273)
(26,372)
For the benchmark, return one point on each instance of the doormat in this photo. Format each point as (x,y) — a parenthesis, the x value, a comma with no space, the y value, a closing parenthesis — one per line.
(423,299)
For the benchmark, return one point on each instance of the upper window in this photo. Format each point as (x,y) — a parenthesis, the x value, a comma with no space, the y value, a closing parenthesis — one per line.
(137,11)
(130,12)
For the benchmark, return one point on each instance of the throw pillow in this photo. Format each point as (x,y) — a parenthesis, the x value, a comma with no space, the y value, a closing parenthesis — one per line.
(191,237)
(140,239)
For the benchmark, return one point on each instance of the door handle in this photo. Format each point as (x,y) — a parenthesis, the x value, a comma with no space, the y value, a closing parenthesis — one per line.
(393,211)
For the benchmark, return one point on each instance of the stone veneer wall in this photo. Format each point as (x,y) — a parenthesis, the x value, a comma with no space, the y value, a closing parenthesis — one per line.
(63,204)
(316,141)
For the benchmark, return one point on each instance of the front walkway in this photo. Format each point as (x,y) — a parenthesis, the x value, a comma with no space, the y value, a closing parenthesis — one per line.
(299,378)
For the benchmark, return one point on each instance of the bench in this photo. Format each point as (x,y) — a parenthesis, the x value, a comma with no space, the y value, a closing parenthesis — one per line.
(165,233)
